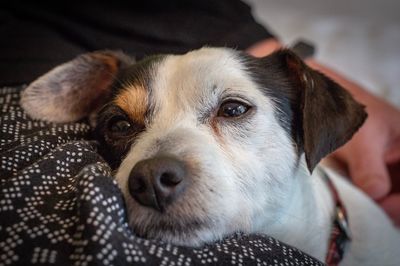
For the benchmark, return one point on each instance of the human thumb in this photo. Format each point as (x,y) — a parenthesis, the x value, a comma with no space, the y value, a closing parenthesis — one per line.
(368,171)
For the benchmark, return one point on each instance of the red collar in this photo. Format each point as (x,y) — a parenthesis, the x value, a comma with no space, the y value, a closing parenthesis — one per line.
(340,229)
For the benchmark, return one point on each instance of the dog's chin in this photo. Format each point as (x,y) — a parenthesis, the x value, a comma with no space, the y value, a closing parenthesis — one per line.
(171,228)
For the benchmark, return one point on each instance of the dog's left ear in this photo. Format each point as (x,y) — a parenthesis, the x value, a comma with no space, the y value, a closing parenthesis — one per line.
(327,115)
(75,89)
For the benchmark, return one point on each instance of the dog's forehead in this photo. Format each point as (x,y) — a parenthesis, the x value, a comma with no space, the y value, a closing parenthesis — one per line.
(182,82)
(201,70)
(198,78)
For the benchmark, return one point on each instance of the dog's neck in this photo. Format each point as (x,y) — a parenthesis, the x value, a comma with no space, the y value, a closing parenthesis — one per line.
(306,220)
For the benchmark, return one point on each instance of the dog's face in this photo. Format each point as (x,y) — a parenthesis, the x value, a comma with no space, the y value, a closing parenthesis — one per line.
(203,110)
(204,144)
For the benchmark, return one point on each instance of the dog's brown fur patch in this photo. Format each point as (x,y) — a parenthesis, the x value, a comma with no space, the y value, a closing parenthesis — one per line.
(215,128)
(134,101)
(109,60)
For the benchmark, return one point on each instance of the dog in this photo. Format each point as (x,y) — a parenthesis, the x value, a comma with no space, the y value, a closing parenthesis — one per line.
(214,142)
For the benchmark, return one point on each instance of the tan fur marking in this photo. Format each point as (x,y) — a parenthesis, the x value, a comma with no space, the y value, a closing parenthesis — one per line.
(216,130)
(134,101)
(108,59)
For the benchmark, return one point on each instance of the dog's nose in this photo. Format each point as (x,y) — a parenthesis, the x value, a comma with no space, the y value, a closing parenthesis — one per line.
(157,182)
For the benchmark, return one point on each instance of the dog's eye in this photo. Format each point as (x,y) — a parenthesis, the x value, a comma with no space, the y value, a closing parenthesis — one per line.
(119,126)
(233,109)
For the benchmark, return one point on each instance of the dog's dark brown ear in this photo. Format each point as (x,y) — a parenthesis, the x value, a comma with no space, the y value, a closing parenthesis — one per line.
(74,89)
(329,116)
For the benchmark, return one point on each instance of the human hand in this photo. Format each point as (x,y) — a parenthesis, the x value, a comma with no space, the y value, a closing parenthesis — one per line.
(373,155)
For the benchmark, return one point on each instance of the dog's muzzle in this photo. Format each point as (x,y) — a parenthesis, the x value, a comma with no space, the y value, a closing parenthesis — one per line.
(158,181)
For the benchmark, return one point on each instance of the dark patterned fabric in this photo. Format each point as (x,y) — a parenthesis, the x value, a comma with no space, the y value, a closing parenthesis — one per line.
(59,205)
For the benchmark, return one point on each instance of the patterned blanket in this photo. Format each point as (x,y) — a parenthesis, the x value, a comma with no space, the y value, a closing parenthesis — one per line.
(60,205)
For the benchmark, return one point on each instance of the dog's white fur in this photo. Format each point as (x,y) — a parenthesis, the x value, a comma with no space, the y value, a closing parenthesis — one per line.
(257,184)
(245,176)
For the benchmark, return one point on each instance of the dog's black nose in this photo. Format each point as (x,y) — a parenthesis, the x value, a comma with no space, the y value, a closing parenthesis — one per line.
(157,182)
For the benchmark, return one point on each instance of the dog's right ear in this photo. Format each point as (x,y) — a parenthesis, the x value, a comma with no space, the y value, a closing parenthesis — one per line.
(74,89)
(325,115)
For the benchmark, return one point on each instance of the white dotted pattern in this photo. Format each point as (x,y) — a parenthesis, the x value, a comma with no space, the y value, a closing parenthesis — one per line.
(59,205)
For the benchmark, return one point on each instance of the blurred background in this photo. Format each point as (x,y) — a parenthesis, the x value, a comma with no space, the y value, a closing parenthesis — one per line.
(360,39)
